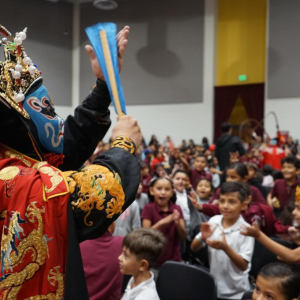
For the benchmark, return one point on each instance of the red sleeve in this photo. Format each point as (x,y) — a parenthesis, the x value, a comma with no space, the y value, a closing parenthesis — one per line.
(147,213)
(210,210)
(215,196)
(278,227)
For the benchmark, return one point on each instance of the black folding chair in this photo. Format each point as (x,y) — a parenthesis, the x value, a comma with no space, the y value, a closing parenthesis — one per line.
(247,295)
(177,281)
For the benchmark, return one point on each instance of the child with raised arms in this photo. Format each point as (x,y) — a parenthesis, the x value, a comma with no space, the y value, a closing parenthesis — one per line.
(162,214)
(229,252)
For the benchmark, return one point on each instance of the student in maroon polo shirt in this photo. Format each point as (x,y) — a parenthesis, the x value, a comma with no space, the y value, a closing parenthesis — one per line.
(101,265)
(285,188)
(198,170)
(239,172)
(162,214)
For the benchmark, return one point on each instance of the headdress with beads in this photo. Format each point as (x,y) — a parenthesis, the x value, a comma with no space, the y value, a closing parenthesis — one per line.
(17,73)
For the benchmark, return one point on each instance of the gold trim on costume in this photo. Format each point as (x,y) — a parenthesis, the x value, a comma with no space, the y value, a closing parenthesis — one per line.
(125,143)
(94,182)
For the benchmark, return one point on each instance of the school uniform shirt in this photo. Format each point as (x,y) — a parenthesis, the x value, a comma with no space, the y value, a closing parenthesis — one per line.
(182,201)
(231,281)
(144,291)
(284,192)
(154,213)
(195,176)
(100,256)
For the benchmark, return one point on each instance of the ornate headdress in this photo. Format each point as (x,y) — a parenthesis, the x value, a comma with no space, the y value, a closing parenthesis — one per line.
(17,73)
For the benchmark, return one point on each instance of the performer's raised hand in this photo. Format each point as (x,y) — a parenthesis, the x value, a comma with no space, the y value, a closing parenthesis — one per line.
(122,41)
(129,127)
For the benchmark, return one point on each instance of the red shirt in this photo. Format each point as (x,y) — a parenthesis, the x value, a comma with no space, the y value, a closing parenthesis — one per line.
(101,266)
(154,213)
(195,176)
(273,156)
(283,191)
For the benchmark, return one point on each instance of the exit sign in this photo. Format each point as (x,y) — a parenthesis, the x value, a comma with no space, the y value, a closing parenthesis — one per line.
(243,77)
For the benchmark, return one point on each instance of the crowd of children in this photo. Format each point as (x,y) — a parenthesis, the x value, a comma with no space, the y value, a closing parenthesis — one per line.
(185,202)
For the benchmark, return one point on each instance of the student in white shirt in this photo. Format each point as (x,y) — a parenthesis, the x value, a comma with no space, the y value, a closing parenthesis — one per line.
(141,249)
(179,178)
(229,252)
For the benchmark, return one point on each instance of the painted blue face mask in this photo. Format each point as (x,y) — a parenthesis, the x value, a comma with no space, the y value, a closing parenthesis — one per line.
(49,125)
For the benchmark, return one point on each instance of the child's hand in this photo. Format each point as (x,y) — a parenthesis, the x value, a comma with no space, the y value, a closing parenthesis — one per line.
(218,244)
(275,202)
(176,216)
(206,231)
(193,198)
(253,230)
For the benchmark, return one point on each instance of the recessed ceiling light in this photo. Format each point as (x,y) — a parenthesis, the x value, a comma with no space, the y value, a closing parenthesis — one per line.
(105,4)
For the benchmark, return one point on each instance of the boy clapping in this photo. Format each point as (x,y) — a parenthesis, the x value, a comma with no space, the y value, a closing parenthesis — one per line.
(229,252)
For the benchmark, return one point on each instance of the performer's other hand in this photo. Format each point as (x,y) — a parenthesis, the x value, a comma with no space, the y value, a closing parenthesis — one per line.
(122,41)
(129,127)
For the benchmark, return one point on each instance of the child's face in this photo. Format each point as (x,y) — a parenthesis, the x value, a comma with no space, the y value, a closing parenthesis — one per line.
(204,189)
(162,192)
(251,173)
(230,206)
(179,182)
(267,289)
(144,172)
(200,163)
(129,264)
(233,176)
(296,213)
(289,171)
(159,170)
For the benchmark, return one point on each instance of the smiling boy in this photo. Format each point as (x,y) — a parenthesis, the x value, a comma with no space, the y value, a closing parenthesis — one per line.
(285,188)
(229,252)
(141,250)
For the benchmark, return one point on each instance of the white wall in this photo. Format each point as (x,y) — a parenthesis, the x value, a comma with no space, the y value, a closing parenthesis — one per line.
(287,111)
(180,121)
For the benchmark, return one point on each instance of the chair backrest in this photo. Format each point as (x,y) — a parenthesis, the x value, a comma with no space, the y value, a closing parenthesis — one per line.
(247,295)
(178,281)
